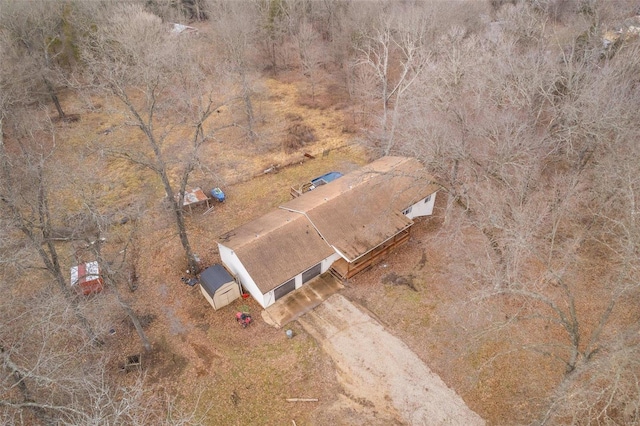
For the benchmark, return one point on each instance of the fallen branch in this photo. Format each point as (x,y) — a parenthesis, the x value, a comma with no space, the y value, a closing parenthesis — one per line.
(272,169)
(302,399)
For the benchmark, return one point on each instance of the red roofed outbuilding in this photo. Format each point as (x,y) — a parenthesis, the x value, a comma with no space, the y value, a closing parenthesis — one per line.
(86,278)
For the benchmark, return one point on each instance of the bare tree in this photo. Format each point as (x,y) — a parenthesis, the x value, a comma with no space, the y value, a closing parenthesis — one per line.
(51,375)
(179,11)
(310,54)
(394,49)
(40,38)
(534,142)
(110,250)
(274,29)
(235,27)
(160,86)
(25,171)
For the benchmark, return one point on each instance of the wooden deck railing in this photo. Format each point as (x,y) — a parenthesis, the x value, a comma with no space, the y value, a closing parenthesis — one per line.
(344,270)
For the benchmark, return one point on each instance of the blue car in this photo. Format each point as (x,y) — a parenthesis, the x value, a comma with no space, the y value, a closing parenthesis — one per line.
(324,179)
(217,194)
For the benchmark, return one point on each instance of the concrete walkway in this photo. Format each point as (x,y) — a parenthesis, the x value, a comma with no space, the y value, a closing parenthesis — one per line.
(291,306)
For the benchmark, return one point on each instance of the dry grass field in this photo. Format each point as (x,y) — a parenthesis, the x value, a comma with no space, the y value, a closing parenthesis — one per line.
(203,357)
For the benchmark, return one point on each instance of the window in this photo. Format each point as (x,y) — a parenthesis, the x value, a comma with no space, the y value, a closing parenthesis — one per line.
(426,200)
(407,211)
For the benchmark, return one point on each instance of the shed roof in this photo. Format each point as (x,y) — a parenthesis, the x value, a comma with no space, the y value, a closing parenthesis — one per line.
(85,272)
(351,215)
(214,277)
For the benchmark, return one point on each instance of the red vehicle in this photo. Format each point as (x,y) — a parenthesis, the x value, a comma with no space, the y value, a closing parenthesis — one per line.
(243,318)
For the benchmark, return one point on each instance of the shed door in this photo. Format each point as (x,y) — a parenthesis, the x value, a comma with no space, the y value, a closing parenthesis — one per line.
(226,297)
(285,288)
(311,273)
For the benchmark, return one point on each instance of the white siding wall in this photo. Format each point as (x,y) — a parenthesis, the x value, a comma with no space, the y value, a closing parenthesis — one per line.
(326,264)
(269,299)
(231,261)
(423,207)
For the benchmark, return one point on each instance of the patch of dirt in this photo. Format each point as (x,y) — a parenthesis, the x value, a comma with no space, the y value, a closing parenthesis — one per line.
(395,279)
(164,363)
(379,372)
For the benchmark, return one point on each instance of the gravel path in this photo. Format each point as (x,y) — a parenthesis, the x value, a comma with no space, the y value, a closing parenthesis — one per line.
(379,373)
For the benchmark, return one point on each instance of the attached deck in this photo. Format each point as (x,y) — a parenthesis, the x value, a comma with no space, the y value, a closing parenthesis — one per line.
(344,270)
(296,192)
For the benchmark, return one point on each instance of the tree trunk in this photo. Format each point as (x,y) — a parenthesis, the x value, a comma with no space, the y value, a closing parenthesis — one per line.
(54,98)
(50,256)
(180,223)
(136,323)
(182,231)
(21,384)
(38,231)
(248,106)
(176,205)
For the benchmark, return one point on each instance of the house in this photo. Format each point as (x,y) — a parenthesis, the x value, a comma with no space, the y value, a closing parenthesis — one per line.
(86,278)
(218,286)
(342,227)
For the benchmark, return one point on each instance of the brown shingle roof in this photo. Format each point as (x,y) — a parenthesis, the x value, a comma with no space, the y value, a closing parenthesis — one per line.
(354,214)
(277,247)
(361,210)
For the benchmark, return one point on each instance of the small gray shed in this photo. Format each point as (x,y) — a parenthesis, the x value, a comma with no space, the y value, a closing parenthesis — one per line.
(218,286)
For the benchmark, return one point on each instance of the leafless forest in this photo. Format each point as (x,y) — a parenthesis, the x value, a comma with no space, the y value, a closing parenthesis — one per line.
(526,111)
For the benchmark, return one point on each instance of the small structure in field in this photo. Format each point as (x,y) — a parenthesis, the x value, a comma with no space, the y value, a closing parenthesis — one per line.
(132,362)
(195,197)
(218,286)
(86,278)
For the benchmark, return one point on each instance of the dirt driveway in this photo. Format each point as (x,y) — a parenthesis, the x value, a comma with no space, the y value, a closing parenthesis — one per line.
(383,381)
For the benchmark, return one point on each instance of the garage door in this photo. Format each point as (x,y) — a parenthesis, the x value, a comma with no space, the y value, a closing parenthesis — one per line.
(285,288)
(311,273)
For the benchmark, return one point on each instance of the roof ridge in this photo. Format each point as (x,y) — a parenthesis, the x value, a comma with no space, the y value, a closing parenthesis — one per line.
(271,229)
